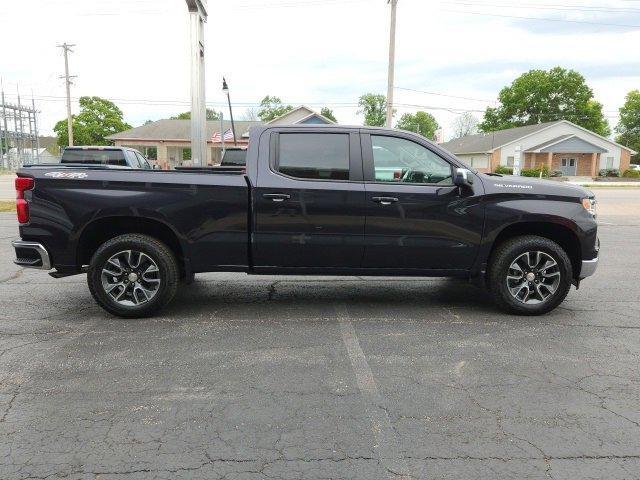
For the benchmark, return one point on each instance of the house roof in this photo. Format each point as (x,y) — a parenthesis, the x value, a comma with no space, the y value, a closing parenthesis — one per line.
(568,143)
(298,115)
(179,130)
(487,142)
(553,141)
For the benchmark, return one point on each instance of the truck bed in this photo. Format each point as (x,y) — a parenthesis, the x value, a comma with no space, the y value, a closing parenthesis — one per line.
(207,211)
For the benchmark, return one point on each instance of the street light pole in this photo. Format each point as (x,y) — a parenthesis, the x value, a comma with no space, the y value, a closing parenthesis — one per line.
(392,61)
(198,17)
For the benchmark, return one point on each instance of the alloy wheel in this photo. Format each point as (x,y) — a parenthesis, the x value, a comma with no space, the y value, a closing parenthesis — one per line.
(131,278)
(533,277)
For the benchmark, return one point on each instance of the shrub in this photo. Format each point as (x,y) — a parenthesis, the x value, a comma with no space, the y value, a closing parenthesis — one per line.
(609,172)
(556,173)
(504,170)
(535,172)
(631,174)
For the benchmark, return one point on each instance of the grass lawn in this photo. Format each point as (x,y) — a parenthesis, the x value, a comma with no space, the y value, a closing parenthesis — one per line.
(7,205)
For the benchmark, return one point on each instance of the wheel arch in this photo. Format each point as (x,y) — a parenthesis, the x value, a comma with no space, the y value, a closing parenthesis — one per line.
(102,229)
(556,232)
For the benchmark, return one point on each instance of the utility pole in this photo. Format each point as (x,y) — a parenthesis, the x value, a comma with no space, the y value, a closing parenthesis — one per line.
(66,48)
(392,61)
(5,133)
(197,18)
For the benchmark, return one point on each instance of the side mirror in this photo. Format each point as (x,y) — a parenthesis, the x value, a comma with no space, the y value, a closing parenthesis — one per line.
(463,177)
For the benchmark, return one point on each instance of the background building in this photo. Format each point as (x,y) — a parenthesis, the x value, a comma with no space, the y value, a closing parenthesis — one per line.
(169,141)
(560,145)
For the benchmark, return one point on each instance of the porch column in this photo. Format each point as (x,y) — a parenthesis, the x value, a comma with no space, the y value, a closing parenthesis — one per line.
(594,164)
(550,160)
(163,156)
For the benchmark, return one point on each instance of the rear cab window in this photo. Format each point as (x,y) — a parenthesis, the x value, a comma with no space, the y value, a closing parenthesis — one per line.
(234,158)
(94,156)
(313,156)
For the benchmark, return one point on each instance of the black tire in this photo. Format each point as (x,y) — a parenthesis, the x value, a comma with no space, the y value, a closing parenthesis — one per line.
(167,273)
(500,265)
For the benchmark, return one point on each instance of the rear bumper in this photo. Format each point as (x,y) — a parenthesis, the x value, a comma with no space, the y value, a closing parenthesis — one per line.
(588,268)
(31,255)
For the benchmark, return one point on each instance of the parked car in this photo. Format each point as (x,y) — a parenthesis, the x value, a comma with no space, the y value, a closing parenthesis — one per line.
(314,200)
(634,167)
(104,155)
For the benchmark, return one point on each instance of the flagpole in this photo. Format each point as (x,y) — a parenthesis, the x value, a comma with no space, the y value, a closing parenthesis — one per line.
(225,89)
(224,149)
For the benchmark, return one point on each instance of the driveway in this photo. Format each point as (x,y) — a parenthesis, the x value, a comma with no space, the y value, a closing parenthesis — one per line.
(309,378)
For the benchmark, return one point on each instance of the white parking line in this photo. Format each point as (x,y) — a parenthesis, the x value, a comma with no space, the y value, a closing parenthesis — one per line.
(386,445)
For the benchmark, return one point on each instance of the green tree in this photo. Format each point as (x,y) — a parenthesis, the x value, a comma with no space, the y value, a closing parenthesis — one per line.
(98,118)
(374,108)
(211,115)
(272,107)
(421,122)
(539,96)
(629,126)
(328,113)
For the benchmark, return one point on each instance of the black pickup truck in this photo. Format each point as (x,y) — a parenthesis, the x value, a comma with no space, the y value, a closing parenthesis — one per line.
(317,200)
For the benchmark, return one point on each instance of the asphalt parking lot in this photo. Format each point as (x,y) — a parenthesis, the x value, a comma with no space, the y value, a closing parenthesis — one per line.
(315,378)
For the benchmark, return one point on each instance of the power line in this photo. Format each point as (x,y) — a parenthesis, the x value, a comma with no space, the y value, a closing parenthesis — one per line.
(578,8)
(544,19)
(446,95)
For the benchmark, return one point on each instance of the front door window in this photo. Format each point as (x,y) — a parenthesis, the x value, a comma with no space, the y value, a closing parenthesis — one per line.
(569,166)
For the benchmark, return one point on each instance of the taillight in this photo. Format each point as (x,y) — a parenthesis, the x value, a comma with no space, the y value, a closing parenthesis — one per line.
(22,207)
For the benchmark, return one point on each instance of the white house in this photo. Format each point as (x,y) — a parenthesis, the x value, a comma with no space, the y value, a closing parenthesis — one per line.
(560,145)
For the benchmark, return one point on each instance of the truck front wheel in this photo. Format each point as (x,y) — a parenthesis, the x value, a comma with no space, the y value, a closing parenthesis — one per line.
(529,275)
(133,275)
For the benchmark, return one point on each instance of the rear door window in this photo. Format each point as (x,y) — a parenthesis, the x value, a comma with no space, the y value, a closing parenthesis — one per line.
(315,156)
(133,159)
(143,161)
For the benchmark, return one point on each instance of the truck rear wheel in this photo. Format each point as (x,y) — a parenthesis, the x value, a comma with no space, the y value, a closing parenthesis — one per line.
(529,275)
(133,275)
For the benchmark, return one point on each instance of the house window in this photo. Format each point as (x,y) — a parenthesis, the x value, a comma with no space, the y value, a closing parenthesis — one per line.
(510,161)
(609,162)
(481,162)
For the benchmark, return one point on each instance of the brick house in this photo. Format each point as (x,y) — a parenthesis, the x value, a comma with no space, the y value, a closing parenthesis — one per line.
(560,145)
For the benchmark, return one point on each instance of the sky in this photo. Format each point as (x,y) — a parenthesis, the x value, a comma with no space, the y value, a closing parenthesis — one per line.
(452,56)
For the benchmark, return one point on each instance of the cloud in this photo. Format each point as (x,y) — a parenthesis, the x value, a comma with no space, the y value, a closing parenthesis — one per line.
(308,52)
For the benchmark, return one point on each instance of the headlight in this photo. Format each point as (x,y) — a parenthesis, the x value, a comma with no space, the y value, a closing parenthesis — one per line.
(590,205)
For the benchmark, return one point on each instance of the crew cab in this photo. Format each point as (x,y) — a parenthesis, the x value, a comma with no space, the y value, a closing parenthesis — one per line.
(316,200)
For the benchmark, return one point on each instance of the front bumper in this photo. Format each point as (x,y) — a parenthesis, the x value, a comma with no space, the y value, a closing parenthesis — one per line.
(31,255)
(588,268)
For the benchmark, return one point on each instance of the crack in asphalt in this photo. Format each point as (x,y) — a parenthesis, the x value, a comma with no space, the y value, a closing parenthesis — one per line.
(15,275)
(8,408)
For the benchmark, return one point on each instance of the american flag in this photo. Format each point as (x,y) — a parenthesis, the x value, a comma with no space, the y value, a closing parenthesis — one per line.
(228,135)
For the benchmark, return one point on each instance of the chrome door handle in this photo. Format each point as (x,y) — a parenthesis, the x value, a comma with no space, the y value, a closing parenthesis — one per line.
(277,197)
(385,200)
